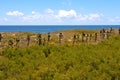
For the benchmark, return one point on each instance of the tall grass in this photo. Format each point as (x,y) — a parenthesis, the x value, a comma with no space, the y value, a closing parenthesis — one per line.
(53,62)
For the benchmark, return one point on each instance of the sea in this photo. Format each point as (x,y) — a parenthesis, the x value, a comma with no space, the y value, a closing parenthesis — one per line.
(51,28)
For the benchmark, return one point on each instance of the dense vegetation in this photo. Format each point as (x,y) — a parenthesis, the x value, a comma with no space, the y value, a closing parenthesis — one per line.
(53,62)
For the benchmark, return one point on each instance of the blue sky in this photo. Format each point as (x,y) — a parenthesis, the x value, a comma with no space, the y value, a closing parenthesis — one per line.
(59,12)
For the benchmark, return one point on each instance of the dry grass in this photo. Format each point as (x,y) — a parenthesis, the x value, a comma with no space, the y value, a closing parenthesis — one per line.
(67,37)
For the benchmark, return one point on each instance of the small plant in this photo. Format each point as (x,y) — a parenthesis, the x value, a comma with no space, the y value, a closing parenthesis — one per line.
(28,39)
(10,43)
(47,51)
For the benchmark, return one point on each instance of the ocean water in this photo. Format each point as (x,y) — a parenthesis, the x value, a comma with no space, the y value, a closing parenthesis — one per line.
(50,28)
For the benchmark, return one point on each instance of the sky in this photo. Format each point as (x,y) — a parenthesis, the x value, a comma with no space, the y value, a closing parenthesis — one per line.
(59,12)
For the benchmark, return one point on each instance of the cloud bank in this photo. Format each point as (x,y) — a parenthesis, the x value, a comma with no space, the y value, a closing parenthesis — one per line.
(50,16)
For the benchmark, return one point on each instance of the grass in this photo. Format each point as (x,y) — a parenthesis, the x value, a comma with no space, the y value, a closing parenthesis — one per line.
(54,62)
(61,62)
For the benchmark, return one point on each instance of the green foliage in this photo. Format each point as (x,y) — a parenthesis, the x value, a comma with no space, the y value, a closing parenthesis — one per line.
(52,62)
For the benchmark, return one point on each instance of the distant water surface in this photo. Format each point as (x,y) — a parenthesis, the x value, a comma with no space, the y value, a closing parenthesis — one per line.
(50,28)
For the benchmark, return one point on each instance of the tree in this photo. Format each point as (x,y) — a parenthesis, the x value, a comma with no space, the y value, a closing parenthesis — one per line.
(74,39)
(83,35)
(28,39)
(108,34)
(39,37)
(44,41)
(49,36)
(60,37)
(95,37)
(119,31)
(90,37)
(0,38)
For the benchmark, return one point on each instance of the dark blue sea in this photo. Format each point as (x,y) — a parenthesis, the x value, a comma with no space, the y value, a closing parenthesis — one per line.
(50,28)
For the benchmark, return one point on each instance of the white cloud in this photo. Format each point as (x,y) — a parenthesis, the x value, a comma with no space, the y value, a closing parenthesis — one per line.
(67,14)
(115,19)
(52,17)
(93,17)
(3,19)
(32,17)
(82,17)
(89,17)
(49,11)
(14,13)
(33,12)
(41,18)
